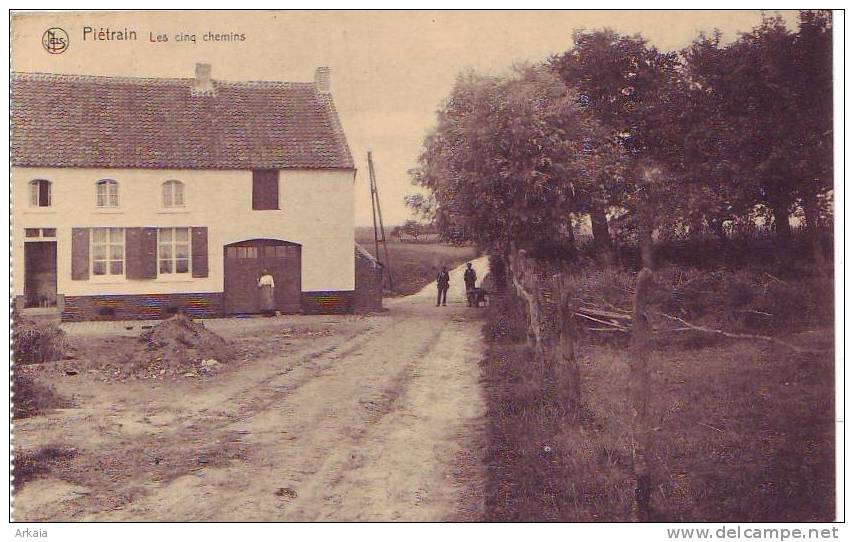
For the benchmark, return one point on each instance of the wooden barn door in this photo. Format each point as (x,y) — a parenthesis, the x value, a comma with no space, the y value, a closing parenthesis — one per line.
(244,263)
(283,261)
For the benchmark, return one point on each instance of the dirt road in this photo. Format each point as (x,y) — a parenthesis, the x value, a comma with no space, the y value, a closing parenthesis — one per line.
(378,421)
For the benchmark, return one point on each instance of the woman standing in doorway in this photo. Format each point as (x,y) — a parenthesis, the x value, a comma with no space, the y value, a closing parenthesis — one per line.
(267,285)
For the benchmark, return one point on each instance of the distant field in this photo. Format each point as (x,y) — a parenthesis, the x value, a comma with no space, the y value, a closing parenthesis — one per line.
(413,266)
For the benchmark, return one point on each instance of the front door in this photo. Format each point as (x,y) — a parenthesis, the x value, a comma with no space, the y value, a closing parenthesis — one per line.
(40,274)
(244,263)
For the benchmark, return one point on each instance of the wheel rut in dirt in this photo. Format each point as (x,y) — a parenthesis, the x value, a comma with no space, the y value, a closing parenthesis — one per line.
(380,424)
(298,430)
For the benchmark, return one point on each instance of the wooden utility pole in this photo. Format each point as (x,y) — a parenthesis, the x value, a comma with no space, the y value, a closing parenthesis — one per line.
(379,234)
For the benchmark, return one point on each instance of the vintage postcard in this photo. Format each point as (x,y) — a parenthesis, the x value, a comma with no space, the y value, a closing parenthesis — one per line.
(426,266)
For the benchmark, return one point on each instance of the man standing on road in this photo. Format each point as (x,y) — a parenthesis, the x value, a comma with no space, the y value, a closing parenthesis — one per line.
(470,278)
(443,282)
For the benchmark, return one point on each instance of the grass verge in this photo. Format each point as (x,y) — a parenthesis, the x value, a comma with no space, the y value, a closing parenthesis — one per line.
(743,431)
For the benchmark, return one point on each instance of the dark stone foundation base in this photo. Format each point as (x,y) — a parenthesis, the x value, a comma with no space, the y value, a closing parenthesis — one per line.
(141,307)
(339,302)
(201,305)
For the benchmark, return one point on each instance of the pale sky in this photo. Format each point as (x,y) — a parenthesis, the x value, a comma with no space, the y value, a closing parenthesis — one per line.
(390,69)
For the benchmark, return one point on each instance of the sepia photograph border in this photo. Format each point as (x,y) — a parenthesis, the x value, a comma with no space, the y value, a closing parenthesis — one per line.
(649,531)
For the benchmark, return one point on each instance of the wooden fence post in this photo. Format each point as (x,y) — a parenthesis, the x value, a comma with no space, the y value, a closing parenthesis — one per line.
(639,392)
(549,297)
(566,338)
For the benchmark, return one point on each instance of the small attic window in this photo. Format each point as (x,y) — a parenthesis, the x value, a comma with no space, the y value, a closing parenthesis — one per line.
(40,193)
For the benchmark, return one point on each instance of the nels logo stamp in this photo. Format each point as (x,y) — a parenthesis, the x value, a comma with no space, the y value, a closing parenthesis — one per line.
(55,40)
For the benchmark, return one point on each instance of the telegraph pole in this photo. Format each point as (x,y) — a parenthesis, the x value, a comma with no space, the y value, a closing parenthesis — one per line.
(379,234)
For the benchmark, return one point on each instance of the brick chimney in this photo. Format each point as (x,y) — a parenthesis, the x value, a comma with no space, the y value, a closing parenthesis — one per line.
(322,79)
(203,84)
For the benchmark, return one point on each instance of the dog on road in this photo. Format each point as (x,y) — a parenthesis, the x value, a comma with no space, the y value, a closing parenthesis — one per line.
(476,296)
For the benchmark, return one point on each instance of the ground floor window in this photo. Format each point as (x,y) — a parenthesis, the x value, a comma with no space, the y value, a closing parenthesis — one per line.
(108,251)
(173,250)
(40,232)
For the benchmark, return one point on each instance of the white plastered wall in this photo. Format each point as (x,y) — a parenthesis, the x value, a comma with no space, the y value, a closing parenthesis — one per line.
(316,211)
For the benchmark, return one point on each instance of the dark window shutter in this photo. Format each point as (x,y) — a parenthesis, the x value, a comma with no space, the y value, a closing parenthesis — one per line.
(265,189)
(141,253)
(44,193)
(199,251)
(79,253)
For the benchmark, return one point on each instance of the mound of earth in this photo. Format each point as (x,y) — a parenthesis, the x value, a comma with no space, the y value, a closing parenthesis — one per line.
(181,345)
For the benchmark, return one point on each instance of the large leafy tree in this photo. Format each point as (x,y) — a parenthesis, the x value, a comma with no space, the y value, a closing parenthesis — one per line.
(659,140)
(629,85)
(710,134)
(763,117)
(510,160)
(813,59)
(635,92)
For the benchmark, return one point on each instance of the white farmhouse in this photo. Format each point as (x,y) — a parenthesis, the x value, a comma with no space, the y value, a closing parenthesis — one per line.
(138,197)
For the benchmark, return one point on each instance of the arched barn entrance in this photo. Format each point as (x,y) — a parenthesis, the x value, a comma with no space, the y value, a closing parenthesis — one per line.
(244,262)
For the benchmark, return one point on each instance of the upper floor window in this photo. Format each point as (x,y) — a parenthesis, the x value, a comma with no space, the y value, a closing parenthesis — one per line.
(108,193)
(40,193)
(265,189)
(173,194)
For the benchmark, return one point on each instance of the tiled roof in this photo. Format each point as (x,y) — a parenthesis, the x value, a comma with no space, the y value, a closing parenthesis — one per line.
(90,121)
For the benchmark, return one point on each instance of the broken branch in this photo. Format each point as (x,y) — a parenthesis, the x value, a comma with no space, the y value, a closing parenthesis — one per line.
(703,329)
(612,324)
(604,314)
